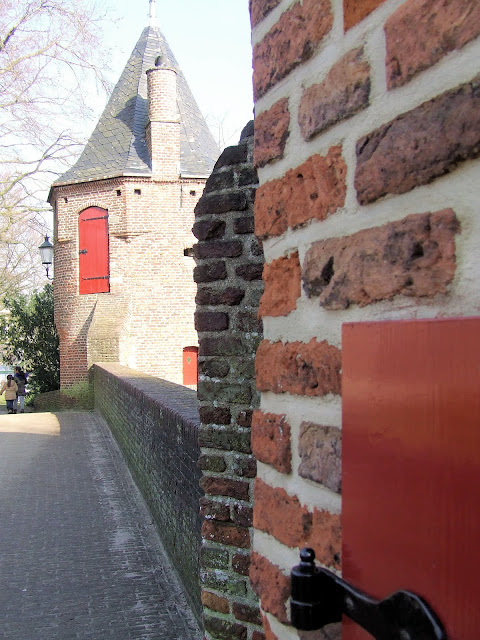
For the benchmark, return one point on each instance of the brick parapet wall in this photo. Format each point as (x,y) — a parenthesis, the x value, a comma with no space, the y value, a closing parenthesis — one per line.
(228,274)
(367,144)
(156,425)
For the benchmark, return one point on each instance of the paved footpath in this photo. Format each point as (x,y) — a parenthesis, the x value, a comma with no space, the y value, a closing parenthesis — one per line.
(79,555)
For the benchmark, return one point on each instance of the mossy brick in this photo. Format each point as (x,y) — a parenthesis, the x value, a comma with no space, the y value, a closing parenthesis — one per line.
(243,368)
(224,392)
(220,180)
(227,439)
(244,466)
(241,563)
(224,582)
(215,464)
(221,346)
(214,369)
(221,629)
(215,415)
(214,557)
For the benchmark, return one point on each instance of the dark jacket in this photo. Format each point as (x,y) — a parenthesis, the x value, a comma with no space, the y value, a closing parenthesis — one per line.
(21,380)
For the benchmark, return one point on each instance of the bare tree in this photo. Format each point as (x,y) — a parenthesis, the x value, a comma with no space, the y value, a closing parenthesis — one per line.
(51,59)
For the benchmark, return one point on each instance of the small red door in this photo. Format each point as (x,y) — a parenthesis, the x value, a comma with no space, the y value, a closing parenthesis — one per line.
(93,251)
(411,465)
(190,369)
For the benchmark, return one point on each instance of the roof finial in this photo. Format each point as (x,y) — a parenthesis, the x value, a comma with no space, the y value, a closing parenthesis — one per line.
(153,17)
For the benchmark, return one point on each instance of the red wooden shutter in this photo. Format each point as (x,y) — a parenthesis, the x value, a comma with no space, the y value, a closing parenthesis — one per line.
(93,251)
(411,465)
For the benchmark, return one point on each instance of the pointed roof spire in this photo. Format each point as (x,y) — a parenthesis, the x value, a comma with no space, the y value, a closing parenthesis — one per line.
(117,146)
(153,15)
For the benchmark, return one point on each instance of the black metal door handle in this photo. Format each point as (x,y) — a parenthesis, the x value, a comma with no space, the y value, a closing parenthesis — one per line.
(319,597)
(83,251)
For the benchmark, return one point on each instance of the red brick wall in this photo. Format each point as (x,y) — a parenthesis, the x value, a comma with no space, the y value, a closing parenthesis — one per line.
(147,318)
(367,143)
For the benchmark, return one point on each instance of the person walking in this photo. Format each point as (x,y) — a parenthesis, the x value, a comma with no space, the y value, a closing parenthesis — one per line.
(21,381)
(10,388)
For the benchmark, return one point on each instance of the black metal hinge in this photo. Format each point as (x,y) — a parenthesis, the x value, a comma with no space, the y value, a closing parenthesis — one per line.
(97,218)
(320,597)
(97,278)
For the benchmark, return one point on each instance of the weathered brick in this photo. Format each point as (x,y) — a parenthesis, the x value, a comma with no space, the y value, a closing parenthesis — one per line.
(244,418)
(215,603)
(232,155)
(214,557)
(420,145)
(219,486)
(326,538)
(244,225)
(211,321)
(272,128)
(290,42)
(320,449)
(344,92)
(218,249)
(271,585)
(221,346)
(247,613)
(247,176)
(244,466)
(280,515)
(271,440)
(215,368)
(414,257)
(230,296)
(212,463)
(226,533)
(312,191)
(282,278)
(250,272)
(311,369)
(223,582)
(217,203)
(355,11)
(241,563)
(242,515)
(227,439)
(216,415)
(214,510)
(210,272)
(220,180)
(208,229)
(228,392)
(261,8)
(249,322)
(421,32)
(221,629)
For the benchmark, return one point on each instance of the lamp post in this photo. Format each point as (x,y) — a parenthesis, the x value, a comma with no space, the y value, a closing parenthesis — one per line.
(46,253)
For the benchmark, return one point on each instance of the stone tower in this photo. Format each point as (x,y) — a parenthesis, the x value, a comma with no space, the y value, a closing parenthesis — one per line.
(123,215)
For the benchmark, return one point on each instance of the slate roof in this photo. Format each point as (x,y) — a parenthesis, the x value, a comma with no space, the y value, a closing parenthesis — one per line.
(117,147)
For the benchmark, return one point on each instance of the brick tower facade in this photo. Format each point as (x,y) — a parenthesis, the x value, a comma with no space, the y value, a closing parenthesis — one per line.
(137,183)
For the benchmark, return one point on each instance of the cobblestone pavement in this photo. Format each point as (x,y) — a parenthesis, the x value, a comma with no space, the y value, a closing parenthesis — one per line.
(79,555)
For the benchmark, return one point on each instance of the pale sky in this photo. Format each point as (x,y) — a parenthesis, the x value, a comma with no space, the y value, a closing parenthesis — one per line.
(211,41)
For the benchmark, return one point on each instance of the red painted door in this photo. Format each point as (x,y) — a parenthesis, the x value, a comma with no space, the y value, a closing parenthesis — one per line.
(411,465)
(190,369)
(93,251)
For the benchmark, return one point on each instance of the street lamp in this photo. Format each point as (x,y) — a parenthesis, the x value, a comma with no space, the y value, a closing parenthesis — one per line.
(46,253)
